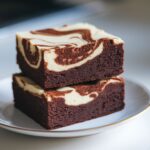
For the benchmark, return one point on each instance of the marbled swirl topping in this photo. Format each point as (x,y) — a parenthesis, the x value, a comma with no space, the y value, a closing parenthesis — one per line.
(72,95)
(63,48)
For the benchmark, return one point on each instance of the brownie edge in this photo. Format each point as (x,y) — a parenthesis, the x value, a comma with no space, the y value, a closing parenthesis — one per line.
(55,113)
(68,55)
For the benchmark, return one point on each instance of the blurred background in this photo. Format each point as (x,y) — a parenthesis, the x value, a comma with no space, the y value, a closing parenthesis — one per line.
(128,19)
(12,11)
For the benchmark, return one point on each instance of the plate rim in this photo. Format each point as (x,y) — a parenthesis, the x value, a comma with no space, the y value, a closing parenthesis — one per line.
(17,128)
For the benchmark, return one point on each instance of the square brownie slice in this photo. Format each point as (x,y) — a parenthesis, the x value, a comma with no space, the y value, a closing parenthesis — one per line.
(72,54)
(69,105)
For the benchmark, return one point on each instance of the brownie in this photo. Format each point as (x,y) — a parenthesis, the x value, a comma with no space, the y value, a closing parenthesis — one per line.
(68,105)
(72,54)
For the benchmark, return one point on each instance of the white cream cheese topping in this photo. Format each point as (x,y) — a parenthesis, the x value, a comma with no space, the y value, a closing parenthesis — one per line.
(72,98)
(49,42)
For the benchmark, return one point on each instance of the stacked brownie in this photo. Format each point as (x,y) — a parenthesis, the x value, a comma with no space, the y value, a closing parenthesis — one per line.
(69,74)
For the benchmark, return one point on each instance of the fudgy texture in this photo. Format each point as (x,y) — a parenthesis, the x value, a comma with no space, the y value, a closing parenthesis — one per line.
(55,114)
(108,63)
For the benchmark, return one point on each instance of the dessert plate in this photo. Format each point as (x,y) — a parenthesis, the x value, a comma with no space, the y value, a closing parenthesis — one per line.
(136,99)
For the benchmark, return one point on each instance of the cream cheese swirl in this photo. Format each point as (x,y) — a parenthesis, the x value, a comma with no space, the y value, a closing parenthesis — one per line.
(63,48)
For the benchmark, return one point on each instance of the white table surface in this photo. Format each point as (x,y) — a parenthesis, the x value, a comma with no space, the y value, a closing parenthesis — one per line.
(130,21)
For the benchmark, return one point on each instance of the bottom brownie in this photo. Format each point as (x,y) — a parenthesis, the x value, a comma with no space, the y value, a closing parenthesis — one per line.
(69,105)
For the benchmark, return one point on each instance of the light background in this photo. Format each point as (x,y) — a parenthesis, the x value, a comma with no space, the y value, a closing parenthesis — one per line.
(131,21)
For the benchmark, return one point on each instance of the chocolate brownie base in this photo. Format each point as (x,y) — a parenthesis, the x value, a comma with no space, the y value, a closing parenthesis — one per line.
(55,113)
(68,55)
(108,64)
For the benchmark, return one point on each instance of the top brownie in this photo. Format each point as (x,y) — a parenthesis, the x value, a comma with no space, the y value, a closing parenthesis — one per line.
(71,54)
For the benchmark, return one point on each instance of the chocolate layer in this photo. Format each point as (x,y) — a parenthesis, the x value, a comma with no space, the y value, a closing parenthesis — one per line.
(69,105)
(69,55)
(109,63)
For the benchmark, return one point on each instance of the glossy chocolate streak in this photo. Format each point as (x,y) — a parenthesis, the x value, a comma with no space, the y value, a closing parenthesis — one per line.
(95,86)
(32,57)
(86,35)
(71,54)
(57,94)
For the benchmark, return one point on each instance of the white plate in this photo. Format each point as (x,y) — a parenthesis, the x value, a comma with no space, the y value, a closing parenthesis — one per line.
(136,99)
